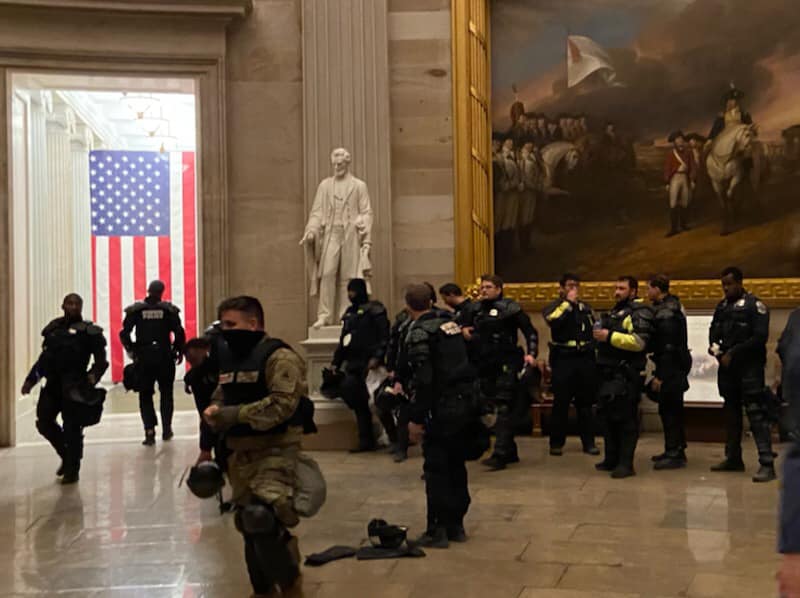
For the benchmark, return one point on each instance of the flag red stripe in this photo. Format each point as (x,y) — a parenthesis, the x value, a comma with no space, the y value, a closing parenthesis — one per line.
(115,306)
(189,246)
(165,265)
(94,279)
(139,268)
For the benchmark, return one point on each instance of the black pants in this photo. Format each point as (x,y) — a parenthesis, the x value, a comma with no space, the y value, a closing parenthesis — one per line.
(446,488)
(163,372)
(742,385)
(574,379)
(356,396)
(393,413)
(66,440)
(272,557)
(670,409)
(619,407)
(500,387)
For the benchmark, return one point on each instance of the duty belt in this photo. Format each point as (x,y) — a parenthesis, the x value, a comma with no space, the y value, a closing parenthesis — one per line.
(571,346)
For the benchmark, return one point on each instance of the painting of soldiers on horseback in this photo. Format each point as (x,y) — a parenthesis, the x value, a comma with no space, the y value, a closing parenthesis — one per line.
(629,130)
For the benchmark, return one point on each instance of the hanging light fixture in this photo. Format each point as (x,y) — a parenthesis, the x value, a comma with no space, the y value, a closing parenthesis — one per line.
(140,104)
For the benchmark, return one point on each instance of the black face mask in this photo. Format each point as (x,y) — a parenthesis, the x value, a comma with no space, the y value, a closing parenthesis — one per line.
(241,342)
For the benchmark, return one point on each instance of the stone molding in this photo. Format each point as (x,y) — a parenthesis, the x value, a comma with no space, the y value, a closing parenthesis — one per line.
(227,9)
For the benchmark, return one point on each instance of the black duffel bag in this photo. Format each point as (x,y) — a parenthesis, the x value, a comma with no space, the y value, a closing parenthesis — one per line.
(84,404)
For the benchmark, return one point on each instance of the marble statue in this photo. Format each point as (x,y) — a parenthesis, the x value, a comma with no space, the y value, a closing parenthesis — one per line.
(337,238)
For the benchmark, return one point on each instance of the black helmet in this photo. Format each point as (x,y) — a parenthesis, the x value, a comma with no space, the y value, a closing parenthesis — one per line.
(205,479)
(130,377)
(331,383)
(386,535)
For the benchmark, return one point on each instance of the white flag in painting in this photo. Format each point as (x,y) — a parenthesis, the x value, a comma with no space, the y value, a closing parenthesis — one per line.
(584,57)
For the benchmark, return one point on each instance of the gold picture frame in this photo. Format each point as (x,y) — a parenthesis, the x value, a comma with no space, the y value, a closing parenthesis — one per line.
(474,254)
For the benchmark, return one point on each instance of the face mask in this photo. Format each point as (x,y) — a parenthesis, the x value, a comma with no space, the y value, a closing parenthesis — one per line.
(241,342)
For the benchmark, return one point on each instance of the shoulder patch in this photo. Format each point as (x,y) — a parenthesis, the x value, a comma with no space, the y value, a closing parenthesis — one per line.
(450,328)
(762,309)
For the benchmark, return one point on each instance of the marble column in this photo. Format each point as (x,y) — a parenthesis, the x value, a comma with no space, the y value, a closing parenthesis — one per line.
(80,146)
(59,217)
(346,104)
(38,253)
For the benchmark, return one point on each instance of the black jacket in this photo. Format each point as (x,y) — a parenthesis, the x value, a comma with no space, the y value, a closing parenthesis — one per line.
(741,328)
(495,324)
(67,349)
(670,346)
(570,327)
(365,335)
(157,325)
(631,325)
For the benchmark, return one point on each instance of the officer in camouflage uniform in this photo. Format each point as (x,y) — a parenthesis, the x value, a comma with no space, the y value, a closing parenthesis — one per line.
(738,339)
(622,336)
(441,387)
(490,327)
(670,354)
(257,407)
(70,342)
(159,346)
(362,347)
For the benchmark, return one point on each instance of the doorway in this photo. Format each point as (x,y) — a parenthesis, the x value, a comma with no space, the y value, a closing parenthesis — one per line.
(103,198)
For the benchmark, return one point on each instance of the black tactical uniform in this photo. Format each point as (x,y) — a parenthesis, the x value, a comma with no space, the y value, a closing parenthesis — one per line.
(365,335)
(673,361)
(66,351)
(740,329)
(442,391)
(395,406)
(572,361)
(159,340)
(621,361)
(498,360)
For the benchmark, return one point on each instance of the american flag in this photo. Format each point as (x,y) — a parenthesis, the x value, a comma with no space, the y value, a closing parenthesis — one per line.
(143,229)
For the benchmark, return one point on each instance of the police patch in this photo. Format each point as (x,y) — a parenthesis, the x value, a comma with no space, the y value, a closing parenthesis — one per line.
(152,314)
(347,339)
(740,302)
(493,312)
(762,309)
(450,328)
(226,378)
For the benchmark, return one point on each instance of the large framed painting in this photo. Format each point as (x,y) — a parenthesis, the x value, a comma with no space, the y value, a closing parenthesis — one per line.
(609,137)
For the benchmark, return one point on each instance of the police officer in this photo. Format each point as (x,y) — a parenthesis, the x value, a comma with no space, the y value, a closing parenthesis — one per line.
(390,400)
(158,347)
(257,407)
(441,387)
(622,336)
(572,363)
(70,342)
(490,326)
(362,347)
(454,298)
(670,354)
(738,339)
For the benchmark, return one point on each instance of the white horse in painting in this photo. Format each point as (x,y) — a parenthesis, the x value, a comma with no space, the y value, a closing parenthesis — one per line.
(725,165)
(553,154)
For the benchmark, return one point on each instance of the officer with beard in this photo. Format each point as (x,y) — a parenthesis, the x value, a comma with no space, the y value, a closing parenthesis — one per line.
(441,386)
(738,339)
(70,342)
(670,354)
(362,347)
(622,336)
(158,348)
(257,407)
(490,327)
(573,364)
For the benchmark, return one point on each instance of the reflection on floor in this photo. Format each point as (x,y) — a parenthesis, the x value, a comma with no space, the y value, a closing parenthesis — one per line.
(548,527)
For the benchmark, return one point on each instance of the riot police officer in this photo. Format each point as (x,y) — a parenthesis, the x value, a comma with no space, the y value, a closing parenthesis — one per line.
(622,336)
(490,326)
(158,348)
(257,405)
(391,402)
(70,342)
(670,354)
(453,297)
(572,363)
(442,409)
(738,339)
(362,347)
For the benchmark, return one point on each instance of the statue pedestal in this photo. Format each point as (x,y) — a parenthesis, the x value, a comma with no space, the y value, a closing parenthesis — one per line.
(336,424)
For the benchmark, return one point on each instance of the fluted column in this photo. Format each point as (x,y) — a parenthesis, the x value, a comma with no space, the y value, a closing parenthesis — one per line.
(39,275)
(81,145)
(60,127)
(346,104)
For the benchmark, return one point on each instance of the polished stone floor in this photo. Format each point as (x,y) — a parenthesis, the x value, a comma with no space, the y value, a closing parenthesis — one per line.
(546,528)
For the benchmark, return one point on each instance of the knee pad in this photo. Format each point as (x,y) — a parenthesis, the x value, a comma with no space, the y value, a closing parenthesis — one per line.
(257,520)
(756,412)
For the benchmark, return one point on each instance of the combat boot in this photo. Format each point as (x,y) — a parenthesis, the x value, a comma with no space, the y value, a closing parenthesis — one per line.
(72,477)
(604,466)
(622,471)
(456,533)
(669,463)
(729,465)
(765,473)
(659,457)
(434,538)
(494,463)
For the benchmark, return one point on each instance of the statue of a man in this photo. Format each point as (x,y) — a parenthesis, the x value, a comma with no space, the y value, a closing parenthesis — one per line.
(337,238)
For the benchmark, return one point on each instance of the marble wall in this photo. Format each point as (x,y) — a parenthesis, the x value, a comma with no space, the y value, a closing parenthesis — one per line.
(265,170)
